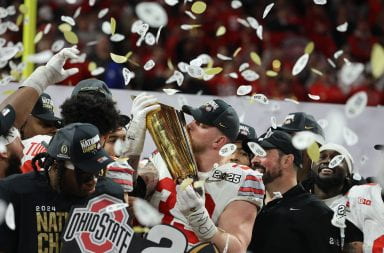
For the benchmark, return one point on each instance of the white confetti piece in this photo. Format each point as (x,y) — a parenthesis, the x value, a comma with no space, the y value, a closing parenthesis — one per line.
(2,42)
(12,26)
(127,76)
(150,39)
(91,2)
(250,75)
(260,98)
(336,161)
(332,63)
(71,1)
(69,20)
(92,43)
(302,140)
(106,28)
(10,217)
(195,71)
(187,27)
(256,149)
(313,97)
(205,58)
(253,22)
(190,14)
(3,13)
(158,34)
(259,32)
(207,77)
(3,28)
(243,22)
(243,66)
(146,214)
(171,2)
(152,13)
(149,65)
(115,207)
(227,149)
(77,13)
(235,4)
(320,2)
(244,90)
(102,13)
(267,9)
(97,71)
(343,27)
(223,57)
(177,77)
(349,73)
(300,64)
(182,66)
(338,53)
(170,91)
(38,37)
(356,104)
(57,45)
(196,62)
(117,37)
(7,53)
(11,10)
(323,123)
(273,122)
(47,28)
(143,29)
(291,100)
(350,137)
(233,75)
(136,25)
(356,176)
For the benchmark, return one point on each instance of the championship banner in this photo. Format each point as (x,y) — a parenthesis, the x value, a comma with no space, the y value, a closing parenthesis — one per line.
(102,226)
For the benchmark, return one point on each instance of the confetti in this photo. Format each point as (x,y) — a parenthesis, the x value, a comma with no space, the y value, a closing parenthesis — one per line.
(158,34)
(205,59)
(77,13)
(337,54)
(313,97)
(350,137)
(233,75)
(259,32)
(221,31)
(309,47)
(250,75)
(317,72)
(102,13)
(273,122)
(291,100)
(136,25)
(331,63)
(169,64)
(113,25)
(182,66)
(6,80)
(237,51)
(2,42)
(149,65)
(92,66)
(343,27)
(302,140)
(300,64)
(377,60)
(244,90)
(71,37)
(213,71)
(177,76)
(68,20)
(10,217)
(57,45)
(117,37)
(313,152)
(323,123)
(106,27)
(97,71)
(195,71)
(47,28)
(146,214)
(23,9)
(349,73)
(3,13)
(150,39)
(118,58)
(336,161)
(320,2)
(127,76)
(271,73)
(7,53)
(189,27)
(185,183)
(235,4)
(12,26)
(253,22)
(115,207)
(91,2)
(198,7)
(71,1)
(3,28)
(227,149)
(223,57)
(170,91)
(260,98)
(196,62)
(243,66)
(243,22)
(207,77)
(190,14)
(38,37)
(171,2)
(256,149)
(255,58)
(152,13)
(267,9)
(65,27)
(11,10)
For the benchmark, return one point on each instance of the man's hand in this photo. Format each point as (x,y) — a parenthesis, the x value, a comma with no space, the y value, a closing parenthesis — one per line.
(192,206)
(53,71)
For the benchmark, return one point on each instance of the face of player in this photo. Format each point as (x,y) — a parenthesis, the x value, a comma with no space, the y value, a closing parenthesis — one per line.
(35,126)
(239,156)
(202,136)
(109,146)
(79,183)
(269,165)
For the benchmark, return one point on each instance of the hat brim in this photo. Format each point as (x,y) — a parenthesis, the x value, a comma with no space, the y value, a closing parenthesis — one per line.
(99,161)
(196,113)
(47,117)
(6,122)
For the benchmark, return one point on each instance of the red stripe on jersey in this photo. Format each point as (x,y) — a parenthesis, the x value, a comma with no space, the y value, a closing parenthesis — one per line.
(253,178)
(118,169)
(251,189)
(122,181)
(243,167)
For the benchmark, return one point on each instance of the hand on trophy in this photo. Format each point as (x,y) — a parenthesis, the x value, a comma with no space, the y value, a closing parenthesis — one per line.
(53,71)
(142,105)
(191,204)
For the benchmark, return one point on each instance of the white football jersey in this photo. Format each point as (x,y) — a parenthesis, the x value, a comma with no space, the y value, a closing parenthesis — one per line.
(366,212)
(224,184)
(32,147)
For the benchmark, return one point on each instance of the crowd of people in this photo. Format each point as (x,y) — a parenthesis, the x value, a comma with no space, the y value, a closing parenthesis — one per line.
(85,169)
(287,30)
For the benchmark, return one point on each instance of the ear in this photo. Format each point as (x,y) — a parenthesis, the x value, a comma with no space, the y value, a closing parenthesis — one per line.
(3,155)
(220,141)
(287,160)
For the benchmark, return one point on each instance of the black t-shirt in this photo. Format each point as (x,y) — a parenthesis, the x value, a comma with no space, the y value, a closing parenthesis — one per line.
(298,222)
(40,212)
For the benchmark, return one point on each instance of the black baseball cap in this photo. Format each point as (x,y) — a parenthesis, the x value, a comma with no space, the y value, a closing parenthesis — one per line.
(44,110)
(246,132)
(283,141)
(301,121)
(92,84)
(7,118)
(216,113)
(379,147)
(80,144)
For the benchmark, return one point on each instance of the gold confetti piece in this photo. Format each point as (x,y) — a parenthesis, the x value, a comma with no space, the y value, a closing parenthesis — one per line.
(19,20)
(129,54)
(118,58)
(38,37)
(309,47)
(199,184)
(377,60)
(92,66)
(213,71)
(71,37)
(138,229)
(186,182)
(271,73)
(237,51)
(276,65)
(113,25)
(221,31)
(318,72)
(255,58)
(7,92)
(15,74)
(64,27)
(313,152)
(169,64)
(189,27)
(23,9)
(198,7)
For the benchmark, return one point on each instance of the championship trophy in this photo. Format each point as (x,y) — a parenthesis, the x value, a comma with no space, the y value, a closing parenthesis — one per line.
(168,130)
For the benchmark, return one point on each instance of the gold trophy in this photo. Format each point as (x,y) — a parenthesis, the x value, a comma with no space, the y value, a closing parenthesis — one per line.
(168,130)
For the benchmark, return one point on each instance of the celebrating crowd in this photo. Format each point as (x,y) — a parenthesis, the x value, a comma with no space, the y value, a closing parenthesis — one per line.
(267,195)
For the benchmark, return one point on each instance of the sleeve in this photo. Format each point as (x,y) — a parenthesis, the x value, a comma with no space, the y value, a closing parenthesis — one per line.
(121,173)
(8,237)
(353,233)
(251,188)
(353,209)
